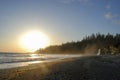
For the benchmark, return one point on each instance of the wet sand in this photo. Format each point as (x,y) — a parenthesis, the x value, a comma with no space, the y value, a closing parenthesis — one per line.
(83,68)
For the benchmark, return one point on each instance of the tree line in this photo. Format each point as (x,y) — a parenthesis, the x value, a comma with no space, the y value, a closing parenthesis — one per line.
(106,44)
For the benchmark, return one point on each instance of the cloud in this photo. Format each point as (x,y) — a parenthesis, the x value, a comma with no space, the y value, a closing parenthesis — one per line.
(80,1)
(113,18)
(67,1)
(108,15)
(83,1)
(108,6)
(116,19)
(116,22)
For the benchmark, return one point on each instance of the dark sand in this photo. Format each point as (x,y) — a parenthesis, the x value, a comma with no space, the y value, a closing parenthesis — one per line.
(84,68)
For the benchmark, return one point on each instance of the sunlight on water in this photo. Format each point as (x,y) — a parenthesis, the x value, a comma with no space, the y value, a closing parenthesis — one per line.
(34,56)
(19,60)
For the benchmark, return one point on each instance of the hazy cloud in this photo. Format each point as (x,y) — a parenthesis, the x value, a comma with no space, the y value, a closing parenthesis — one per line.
(83,1)
(80,1)
(116,19)
(108,15)
(67,1)
(112,17)
(116,22)
(108,6)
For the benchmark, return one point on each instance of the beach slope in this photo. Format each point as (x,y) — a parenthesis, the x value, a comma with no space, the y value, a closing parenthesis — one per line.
(83,68)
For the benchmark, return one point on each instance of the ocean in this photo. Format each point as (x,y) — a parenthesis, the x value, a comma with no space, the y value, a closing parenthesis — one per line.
(12,60)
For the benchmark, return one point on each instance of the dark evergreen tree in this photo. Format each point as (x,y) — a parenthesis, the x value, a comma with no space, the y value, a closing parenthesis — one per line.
(107,44)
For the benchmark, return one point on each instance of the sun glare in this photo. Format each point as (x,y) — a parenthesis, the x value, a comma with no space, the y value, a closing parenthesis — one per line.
(33,40)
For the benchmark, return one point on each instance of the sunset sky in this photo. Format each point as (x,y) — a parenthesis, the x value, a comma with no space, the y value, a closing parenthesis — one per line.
(60,20)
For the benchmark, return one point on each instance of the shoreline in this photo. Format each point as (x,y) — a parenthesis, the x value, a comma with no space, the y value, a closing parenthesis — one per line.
(17,72)
(18,60)
(84,68)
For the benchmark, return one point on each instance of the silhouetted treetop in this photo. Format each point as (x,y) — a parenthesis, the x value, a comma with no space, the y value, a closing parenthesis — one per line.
(108,44)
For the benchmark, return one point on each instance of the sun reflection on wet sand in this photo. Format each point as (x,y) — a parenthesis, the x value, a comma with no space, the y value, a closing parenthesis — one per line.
(13,65)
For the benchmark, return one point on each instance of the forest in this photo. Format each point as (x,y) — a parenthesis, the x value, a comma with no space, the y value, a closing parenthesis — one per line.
(104,44)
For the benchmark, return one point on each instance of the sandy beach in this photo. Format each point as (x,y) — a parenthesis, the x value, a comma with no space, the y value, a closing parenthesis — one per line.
(84,68)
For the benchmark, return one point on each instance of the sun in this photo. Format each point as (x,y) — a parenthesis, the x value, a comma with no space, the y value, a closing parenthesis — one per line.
(34,40)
